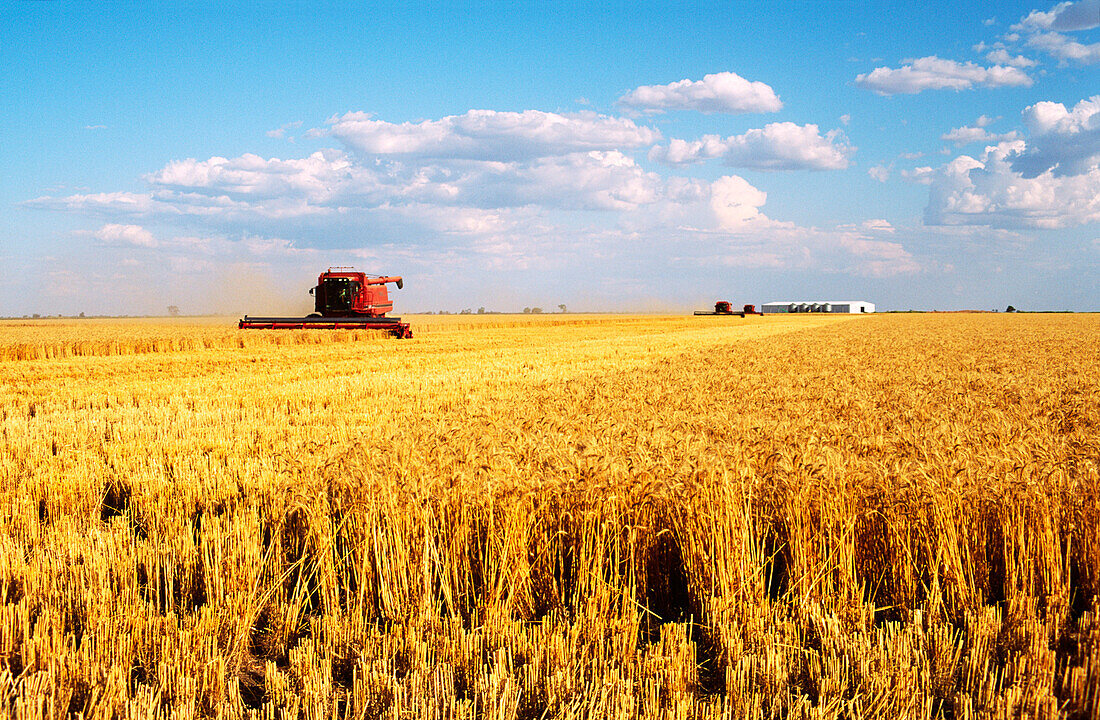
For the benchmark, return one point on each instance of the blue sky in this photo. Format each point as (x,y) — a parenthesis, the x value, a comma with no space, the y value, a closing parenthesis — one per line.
(611,157)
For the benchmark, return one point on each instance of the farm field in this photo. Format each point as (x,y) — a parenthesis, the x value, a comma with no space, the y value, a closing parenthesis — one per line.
(560,516)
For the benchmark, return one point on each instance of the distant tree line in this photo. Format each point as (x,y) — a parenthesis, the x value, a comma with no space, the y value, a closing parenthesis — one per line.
(483,311)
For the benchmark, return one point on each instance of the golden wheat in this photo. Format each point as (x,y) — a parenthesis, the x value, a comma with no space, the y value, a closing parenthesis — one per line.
(557,516)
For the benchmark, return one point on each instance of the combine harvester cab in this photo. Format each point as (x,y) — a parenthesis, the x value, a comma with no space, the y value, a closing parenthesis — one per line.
(343,299)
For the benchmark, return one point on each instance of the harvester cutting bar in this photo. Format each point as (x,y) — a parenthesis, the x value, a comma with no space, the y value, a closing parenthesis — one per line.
(392,325)
(736,313)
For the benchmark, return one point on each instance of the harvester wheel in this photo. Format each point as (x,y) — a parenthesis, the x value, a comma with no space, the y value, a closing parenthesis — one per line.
(314,315)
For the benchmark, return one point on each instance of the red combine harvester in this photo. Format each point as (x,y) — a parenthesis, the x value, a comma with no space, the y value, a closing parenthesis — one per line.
(723,307)
(344,300)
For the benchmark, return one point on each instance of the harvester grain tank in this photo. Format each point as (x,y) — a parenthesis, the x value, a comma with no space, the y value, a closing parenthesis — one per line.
(723,307)
(343,299)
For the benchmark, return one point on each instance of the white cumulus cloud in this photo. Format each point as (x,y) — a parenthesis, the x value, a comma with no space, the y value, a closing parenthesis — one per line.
(874,257)
(1046,31)
(1066,142)
(736,203)
(879,172)
(1063,48)
(977,133)
(126,203)
(1000,56)
(280,132)
(730,227)
(274,247)
(724,92)
(878,225)
(987,190)
(920,175)
(934,73)
(1081,15)
(119,234)
(331,182)
(250,175)
(597,180)
(776,146)
(491,135)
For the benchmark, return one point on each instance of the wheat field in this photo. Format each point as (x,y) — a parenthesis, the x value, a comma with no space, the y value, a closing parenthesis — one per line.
(566,516)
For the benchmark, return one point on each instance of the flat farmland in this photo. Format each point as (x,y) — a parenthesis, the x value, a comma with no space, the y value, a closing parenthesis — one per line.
(556,516)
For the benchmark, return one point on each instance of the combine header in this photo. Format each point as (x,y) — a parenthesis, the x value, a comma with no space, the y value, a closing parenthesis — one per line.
(723,307)
(343,300)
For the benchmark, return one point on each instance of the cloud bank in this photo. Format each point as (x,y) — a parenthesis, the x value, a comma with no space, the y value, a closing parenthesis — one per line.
(509,190)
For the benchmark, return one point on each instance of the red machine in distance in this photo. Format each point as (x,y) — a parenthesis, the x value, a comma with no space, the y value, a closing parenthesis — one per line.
(343,299)
(723,307)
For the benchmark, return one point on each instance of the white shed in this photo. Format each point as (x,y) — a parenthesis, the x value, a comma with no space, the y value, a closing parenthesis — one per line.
(829,306)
